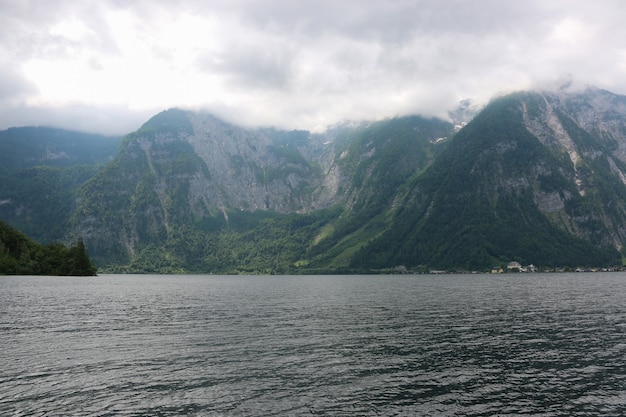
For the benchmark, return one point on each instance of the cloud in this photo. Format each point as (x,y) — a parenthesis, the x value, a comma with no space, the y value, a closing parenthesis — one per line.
(255,63)
(294,64)
(14,88)
(76,116)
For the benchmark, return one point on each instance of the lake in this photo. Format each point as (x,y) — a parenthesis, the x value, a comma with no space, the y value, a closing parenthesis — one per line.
(402,345)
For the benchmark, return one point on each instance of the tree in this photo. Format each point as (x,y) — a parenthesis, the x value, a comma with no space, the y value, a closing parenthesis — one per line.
(80,263)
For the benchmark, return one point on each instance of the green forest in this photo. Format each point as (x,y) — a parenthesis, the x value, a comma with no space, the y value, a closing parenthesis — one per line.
(20,255)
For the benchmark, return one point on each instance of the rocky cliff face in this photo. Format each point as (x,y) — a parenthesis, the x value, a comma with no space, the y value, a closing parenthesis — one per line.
(183,168)
(245,169)
(239,168)
(189,168)
(589,130)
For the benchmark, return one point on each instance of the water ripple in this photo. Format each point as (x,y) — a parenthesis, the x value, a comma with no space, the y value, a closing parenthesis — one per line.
(481,345)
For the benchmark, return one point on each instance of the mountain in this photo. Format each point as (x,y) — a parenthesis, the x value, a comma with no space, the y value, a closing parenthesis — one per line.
(27,147)
(41,169)
(189,191)
(536,178)
(533,177)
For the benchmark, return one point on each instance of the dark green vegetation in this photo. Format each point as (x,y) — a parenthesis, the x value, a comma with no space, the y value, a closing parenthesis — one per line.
(476,205)
(41,170)
(28,147)
(379,158)
(20,255)
(251,242)
(534,178)
(40,200)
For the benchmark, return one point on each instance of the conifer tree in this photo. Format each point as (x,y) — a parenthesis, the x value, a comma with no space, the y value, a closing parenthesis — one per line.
(81,265)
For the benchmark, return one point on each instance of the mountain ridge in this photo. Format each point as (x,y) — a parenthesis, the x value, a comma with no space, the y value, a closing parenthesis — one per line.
(534,177)
(486,200)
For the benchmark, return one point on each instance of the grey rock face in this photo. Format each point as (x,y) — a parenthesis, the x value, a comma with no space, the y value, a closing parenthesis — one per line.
(246,170)
(590,128)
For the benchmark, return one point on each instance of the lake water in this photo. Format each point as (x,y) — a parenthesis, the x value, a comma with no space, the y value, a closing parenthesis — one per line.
(445,345)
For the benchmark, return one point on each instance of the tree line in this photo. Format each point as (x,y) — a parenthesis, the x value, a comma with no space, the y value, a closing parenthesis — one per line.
(20,255)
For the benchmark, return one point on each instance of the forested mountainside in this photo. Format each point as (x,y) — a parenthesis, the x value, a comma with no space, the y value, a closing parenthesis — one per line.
(535,177)
(28,147)
(41,168)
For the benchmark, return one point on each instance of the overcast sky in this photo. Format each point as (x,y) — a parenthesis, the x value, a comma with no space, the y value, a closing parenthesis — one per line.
(107,66)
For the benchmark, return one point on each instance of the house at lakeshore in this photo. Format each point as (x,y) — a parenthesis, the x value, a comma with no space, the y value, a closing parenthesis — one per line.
(515,266)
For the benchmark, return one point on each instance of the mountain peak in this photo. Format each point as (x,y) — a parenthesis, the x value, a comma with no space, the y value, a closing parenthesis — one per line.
(464,112)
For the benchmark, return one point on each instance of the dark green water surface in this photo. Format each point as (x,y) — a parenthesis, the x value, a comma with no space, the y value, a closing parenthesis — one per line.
(445,345)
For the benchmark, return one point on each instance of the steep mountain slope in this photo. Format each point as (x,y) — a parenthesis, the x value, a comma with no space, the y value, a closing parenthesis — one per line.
(188,174)
(536,178)
(375,160)
(588,132)
(41,200)
(40,170)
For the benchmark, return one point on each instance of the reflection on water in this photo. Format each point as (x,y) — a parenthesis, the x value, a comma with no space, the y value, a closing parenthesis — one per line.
(452,345)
